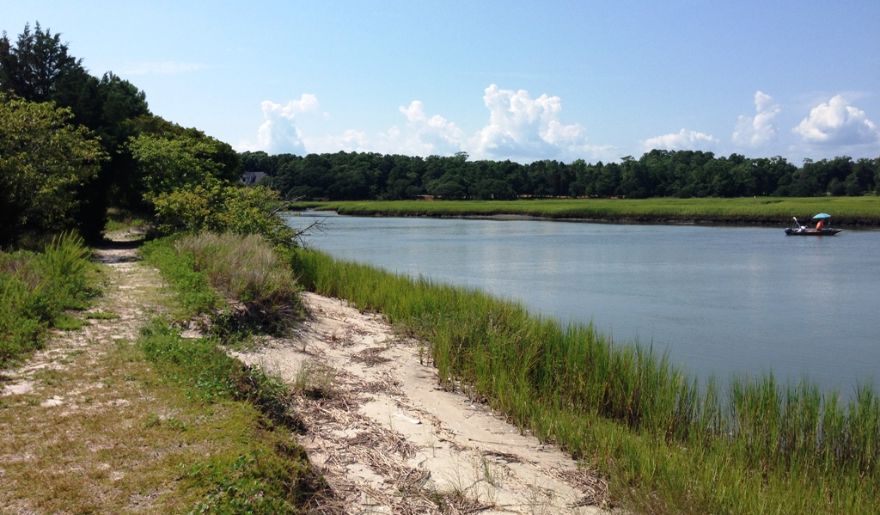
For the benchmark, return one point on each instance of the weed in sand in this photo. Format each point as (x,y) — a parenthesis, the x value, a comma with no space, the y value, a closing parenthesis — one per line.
(315,380)
(101,315)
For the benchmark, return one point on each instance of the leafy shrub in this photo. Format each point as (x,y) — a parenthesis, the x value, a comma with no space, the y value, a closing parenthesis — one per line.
(223,207)
(44,159)
(172,161)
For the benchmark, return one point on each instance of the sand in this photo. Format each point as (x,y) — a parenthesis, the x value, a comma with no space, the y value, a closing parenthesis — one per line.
(389,440)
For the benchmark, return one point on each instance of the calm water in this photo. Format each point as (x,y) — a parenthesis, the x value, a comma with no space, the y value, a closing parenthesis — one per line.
(720,300)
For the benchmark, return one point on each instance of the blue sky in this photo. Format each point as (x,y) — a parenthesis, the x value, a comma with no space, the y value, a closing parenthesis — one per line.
(519,80)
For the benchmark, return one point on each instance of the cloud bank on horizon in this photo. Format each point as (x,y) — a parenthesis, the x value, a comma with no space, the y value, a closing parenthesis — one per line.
(522,128)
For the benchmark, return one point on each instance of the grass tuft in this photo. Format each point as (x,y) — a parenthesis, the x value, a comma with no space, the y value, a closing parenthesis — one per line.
(247,271)
(37,288)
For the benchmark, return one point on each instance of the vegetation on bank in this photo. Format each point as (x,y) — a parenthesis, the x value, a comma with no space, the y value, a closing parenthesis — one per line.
(36,289)
(847,211)
(665,444)
(209,271)
(268,473)
(69,144)
(264,470)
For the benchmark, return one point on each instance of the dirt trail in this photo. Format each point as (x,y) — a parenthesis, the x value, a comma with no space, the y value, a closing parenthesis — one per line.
(65,411)
(389,440)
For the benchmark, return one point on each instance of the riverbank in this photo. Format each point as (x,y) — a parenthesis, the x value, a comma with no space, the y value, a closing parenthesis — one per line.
(663,444)
(389,440)
(765,211)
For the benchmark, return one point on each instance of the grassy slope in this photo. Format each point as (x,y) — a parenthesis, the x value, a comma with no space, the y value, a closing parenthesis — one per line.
(664,445)
(847,211)
(266,472)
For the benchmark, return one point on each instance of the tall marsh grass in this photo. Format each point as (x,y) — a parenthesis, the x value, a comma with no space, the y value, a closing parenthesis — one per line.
(666,444)
(244,269)
(847,211)
(36,288)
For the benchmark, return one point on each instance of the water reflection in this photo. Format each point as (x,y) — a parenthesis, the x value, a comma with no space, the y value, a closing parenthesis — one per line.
(720,300)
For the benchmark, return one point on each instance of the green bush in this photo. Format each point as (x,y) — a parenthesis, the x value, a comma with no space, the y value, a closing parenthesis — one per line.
(223,207)
(44,160)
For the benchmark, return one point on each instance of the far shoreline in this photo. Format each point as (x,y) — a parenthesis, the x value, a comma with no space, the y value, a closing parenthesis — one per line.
(861,214)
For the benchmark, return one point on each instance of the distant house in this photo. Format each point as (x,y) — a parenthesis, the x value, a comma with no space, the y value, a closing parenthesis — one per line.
(251,178)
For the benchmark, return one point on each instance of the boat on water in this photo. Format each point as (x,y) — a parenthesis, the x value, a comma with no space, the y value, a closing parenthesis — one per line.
(822,228)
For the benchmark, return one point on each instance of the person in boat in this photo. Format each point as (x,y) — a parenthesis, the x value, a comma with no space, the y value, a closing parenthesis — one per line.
(820,225)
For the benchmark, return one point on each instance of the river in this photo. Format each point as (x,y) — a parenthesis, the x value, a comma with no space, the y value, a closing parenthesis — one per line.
(720,300)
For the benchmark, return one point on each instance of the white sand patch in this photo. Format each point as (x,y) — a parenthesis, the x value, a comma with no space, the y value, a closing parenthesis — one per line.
(388,439)
(19,388)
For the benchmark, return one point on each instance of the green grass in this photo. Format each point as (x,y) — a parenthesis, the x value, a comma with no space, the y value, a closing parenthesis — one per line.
(207,270)
(265,470)
(193,292)
(665,444)
(847,211)
(270,474)
(36,290)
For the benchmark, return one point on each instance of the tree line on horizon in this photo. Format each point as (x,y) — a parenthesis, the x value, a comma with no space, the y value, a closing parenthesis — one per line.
(72,144)
(658,173)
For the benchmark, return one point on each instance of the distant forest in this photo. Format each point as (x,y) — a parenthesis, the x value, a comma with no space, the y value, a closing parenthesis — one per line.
(659,173)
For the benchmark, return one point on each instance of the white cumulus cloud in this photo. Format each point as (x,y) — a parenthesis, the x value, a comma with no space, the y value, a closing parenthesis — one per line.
(278,134)
(423,134)
(525,128)
(758,130)
(519,128)
(837,123)
(681,140)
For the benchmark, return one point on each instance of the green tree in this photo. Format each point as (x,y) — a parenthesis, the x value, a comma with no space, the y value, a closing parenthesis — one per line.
(219,206)
(36,65)
(167,163)
(44,160)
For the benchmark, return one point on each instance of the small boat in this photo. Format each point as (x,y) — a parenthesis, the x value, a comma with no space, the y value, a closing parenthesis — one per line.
(823,221)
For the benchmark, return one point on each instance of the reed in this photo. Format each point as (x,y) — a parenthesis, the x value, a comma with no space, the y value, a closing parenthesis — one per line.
(208,268)
(847,211)
(666,444)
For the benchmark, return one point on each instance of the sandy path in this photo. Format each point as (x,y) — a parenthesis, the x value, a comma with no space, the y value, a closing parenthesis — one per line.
(130,295)
(390,441)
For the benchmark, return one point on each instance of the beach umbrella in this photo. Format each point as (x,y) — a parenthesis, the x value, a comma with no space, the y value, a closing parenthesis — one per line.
(822,216)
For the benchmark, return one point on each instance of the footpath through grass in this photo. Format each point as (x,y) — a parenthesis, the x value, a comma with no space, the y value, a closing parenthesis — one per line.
(847,211)
(125,415)
(665,445)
